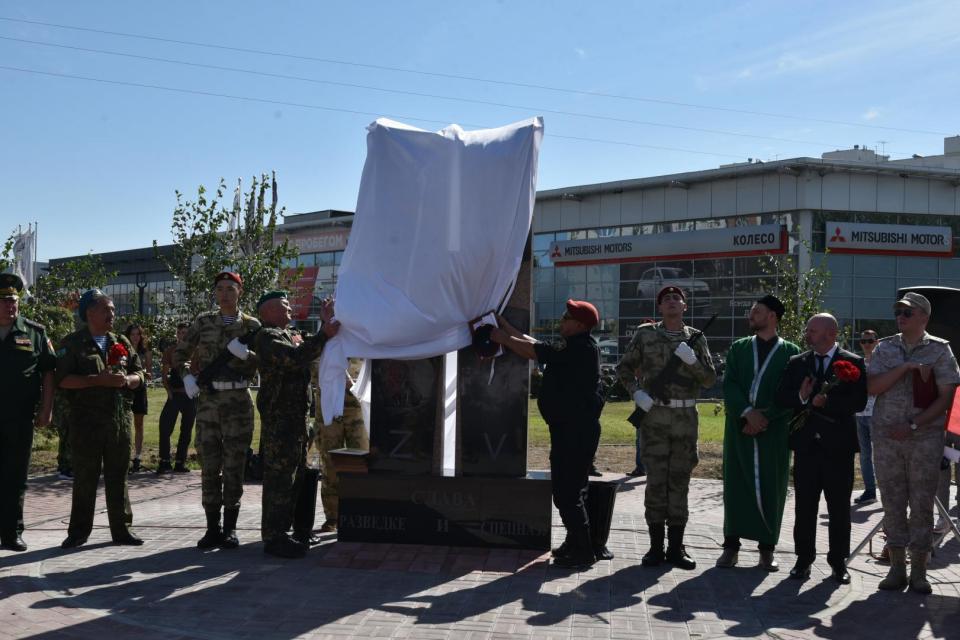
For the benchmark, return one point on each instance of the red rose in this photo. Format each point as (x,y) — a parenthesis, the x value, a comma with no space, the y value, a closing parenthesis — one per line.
(116,355)
(846,371)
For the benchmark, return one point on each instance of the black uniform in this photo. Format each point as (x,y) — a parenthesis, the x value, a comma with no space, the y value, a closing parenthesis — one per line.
(570,400)
(25,355)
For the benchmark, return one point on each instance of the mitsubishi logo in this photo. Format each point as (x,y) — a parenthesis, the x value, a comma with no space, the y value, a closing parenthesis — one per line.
(837,236)
(555,252)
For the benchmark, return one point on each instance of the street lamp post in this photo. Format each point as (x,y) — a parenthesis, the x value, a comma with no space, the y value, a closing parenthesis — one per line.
(141,285)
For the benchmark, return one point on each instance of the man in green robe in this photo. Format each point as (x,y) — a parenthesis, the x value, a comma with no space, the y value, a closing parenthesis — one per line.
(756,455)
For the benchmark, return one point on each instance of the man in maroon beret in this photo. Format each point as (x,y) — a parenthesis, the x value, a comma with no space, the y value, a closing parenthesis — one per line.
(669,425)
(570,401)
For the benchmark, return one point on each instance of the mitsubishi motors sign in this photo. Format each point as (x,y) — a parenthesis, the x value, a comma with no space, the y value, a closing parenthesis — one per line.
(890,239)
(734,241)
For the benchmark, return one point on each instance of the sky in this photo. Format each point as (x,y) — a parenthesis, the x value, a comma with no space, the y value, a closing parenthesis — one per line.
(95,144)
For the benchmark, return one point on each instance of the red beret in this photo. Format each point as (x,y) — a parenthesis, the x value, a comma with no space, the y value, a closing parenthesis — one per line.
(583,312)
(671,288)
(227,275)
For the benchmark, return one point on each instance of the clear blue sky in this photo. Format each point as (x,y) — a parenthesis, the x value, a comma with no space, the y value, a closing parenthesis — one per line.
(97,164)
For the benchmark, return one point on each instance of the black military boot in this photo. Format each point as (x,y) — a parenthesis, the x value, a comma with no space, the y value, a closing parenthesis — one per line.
(676,552)
(285,547)
(214,535)
(655,556)
(563,549)
(579,554)
(229,528)
(304,511)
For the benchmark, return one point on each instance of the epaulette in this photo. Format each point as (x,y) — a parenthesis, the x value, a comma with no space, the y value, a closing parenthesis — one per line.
(937,339)
(879,340)
(647,325)
(34,325)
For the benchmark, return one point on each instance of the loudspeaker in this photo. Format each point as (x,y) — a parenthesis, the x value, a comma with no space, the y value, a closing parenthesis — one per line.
(945,316)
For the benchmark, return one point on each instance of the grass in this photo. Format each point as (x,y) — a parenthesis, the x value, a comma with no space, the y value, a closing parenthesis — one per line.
(615,431)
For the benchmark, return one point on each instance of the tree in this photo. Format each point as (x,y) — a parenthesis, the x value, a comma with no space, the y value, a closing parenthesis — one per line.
(55,294)
(208,238)
(800,292)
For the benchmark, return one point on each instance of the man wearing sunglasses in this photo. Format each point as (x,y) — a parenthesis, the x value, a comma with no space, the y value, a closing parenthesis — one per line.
(908,431)
(570,400)
(669,427)
(868,342)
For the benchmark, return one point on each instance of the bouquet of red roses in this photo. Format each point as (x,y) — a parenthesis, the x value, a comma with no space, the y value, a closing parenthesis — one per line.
(117,358)
(843,371)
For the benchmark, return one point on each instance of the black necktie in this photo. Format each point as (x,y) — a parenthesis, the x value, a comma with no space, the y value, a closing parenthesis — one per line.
(820,368)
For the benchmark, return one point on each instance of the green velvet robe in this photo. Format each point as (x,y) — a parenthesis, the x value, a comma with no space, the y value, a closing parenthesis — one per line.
(756,469)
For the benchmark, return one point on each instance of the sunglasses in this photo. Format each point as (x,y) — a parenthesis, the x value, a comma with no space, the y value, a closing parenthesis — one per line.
(566,316)
(867,340)
(906,313)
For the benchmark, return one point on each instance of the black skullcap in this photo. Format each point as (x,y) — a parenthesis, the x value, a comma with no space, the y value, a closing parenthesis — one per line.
(773,303)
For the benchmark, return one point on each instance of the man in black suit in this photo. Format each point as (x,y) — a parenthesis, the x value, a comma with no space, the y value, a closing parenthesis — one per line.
(825,445)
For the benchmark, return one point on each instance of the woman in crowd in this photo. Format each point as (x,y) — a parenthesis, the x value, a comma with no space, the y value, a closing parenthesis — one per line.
(141,343)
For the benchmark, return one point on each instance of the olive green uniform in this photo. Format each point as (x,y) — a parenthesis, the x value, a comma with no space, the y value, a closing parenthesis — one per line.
(669,433)
(100,423)
(283,402)
(25,355)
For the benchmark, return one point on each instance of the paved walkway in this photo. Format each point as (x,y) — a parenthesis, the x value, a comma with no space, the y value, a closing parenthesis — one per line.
(169,589)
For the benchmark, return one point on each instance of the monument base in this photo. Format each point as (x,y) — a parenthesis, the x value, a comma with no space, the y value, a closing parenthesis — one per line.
(439,510)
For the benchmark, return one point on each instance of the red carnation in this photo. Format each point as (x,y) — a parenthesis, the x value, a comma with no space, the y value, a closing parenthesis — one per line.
(846,371)
(117,355)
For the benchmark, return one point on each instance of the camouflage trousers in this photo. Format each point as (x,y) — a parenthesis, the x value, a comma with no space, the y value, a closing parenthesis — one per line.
(224,431)
(669,455)
(100,445)
(284,450)
(347,431)
(908,474)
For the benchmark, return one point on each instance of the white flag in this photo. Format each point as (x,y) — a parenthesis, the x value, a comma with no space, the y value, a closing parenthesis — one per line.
(23,257)
(235,218)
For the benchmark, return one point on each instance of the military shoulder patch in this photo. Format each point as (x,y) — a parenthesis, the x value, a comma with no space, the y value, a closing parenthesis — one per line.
(34,325)
(559,345)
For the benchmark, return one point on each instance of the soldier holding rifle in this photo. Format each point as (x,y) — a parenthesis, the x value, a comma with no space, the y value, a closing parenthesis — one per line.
(214,353)
(664,367)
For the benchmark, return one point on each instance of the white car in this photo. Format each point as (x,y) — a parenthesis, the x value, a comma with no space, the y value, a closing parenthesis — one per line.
(697,291)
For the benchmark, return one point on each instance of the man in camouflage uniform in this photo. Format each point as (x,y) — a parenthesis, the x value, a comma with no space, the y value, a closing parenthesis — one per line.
(100,396)
(283,401)
(224,409)
(669,428)
(907,439)
(26,379)
(347,431)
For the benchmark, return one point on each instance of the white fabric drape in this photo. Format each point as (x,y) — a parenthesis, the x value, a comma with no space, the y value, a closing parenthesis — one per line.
(440,227)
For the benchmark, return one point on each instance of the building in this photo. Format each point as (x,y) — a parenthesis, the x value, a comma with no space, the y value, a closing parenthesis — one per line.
(887,223)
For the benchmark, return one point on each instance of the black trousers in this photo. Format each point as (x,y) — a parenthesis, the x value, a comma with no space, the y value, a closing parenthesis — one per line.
(16,440)
(816,472)
(177,404)
(572,447)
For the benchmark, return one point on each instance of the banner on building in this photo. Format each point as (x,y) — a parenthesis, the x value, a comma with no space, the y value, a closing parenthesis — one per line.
(712,243)
(318,241)
(889,239)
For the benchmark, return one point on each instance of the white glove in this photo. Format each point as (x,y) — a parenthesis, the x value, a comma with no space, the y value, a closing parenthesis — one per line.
(190,386)
(643,401)
(686,353)
(238,349)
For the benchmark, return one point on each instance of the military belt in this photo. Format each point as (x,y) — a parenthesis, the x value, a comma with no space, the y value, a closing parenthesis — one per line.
(221,385)
(676,404)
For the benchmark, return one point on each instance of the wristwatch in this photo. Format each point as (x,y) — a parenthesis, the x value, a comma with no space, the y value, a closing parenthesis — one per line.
(914,426)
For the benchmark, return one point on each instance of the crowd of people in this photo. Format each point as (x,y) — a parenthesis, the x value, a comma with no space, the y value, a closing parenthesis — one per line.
(825,404)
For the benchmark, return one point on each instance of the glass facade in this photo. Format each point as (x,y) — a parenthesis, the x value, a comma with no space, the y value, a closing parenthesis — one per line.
(624,294)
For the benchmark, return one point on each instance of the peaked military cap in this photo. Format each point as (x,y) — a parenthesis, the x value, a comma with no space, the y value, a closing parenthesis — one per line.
(10,286)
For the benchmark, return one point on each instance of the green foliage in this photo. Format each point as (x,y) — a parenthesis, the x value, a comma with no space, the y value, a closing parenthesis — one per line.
(206,243)
(800,292)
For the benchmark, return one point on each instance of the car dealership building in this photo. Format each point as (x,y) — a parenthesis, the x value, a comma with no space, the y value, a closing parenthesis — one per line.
(886,223)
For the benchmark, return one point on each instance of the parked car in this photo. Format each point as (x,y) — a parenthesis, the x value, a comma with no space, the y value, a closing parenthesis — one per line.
(654,279)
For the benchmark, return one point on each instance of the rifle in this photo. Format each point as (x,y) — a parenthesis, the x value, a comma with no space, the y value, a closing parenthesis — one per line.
(658,386)
(205,377)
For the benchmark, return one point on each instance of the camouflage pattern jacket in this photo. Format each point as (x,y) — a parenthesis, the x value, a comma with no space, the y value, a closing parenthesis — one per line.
(648,353)
(207,338)
(285,360)
(80,355)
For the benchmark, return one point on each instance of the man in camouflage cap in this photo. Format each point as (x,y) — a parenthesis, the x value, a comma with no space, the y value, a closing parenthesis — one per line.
(26,379)
(224,408)
(669,428)
(283,401)
(908,435)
